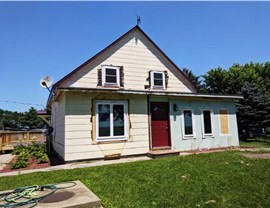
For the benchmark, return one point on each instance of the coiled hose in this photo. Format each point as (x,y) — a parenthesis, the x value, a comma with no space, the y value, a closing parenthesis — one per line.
(30,195)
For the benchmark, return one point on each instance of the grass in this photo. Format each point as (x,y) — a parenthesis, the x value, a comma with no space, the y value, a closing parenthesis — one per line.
(256,142)
(225,179)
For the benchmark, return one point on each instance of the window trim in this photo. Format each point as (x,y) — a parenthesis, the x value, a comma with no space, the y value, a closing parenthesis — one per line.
(103,79)
(111,103)
(228,134)
(211,119)
(189,136)
(152,80)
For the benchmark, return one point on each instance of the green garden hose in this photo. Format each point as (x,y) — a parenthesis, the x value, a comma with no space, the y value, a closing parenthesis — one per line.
(28,195)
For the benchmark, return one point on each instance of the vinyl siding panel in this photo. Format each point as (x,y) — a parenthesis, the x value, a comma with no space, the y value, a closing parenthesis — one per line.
(138,56)
(58,123)
(80,143)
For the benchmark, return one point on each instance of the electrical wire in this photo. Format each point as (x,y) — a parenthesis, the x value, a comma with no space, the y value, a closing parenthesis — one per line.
(21,103)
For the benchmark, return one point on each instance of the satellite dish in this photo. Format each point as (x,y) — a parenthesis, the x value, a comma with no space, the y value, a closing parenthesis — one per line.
(46,82)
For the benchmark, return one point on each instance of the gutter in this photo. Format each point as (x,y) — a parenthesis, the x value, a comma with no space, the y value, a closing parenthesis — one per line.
(143,92)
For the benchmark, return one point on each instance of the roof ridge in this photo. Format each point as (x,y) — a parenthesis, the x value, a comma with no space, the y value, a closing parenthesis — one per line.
(111,45)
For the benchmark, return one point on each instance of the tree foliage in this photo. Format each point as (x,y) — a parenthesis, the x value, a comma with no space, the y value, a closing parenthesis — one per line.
(231,81)
(215,81)
(193,78)
(17,120)
(254,108)
(252,81)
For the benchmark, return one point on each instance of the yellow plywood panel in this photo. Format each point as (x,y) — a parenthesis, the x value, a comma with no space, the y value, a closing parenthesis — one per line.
(224,121)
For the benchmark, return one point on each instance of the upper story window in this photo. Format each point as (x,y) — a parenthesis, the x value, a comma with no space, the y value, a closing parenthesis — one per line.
(110,76)
(157,79)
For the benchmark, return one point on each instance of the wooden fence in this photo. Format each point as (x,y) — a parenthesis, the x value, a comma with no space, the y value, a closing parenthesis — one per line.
(9,138)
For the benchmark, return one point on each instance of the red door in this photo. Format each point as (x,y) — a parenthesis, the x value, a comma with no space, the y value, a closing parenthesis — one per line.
(160,124)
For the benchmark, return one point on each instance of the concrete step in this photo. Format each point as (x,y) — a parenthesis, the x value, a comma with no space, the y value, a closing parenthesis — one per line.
(162,153)
(78,196)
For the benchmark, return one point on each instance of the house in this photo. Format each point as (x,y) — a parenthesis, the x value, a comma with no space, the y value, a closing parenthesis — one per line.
(130,98)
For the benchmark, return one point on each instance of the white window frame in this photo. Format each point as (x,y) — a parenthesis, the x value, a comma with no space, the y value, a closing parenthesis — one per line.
(104,83)
(220,122)
(188,136)
(202,120)
(111,103)
(152,80)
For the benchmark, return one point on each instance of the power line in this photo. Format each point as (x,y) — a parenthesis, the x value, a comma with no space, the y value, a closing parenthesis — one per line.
(21,103)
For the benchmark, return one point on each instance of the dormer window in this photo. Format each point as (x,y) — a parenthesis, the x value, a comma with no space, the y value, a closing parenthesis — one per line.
(110,76)
(157,79)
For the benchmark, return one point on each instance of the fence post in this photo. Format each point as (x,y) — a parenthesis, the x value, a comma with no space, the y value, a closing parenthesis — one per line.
(28,135)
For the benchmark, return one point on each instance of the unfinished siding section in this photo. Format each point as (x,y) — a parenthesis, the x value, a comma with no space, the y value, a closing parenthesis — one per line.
(138,56)
(58,124)
(199,141)
(80,128)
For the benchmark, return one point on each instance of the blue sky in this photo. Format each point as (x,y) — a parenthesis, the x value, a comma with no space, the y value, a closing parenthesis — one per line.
(53,38)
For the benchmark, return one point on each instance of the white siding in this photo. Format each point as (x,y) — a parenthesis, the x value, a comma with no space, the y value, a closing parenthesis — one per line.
(138,56)
(58,123)
(78,128)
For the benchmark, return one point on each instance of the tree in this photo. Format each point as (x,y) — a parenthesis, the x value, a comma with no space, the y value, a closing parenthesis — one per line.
(31,119)
(250,80)
(17,120)
(215,81)
(10,119)
(253,110)
(231,81)
(193,78)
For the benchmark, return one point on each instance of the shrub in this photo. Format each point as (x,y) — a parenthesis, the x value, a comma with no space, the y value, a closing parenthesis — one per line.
(35,150)
(18,148)
(22,161)
(19,164)
(24,156)
(42,159)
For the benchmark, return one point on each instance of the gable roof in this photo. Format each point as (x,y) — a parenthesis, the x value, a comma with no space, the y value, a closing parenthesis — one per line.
(110,46)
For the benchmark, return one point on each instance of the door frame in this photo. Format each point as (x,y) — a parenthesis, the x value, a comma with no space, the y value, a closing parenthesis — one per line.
(150,126)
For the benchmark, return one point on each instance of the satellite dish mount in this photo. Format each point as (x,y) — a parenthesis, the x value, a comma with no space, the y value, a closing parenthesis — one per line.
(46,82)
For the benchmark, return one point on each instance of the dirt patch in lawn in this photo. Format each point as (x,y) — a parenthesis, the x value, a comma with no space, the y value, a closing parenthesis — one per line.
(257,155)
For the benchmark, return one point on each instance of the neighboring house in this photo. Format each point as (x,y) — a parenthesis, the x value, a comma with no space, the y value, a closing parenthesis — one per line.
(130,98)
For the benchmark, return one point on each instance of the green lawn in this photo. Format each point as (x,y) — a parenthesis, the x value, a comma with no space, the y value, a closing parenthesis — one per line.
(224,179)
(256,142)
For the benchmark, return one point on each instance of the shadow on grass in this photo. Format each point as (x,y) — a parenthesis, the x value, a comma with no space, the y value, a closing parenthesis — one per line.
(256,142)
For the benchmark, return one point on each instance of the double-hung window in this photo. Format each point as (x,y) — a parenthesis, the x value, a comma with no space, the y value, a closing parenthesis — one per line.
(157,79)
(188,123)
(207,122)
(110,76)
(111,120)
